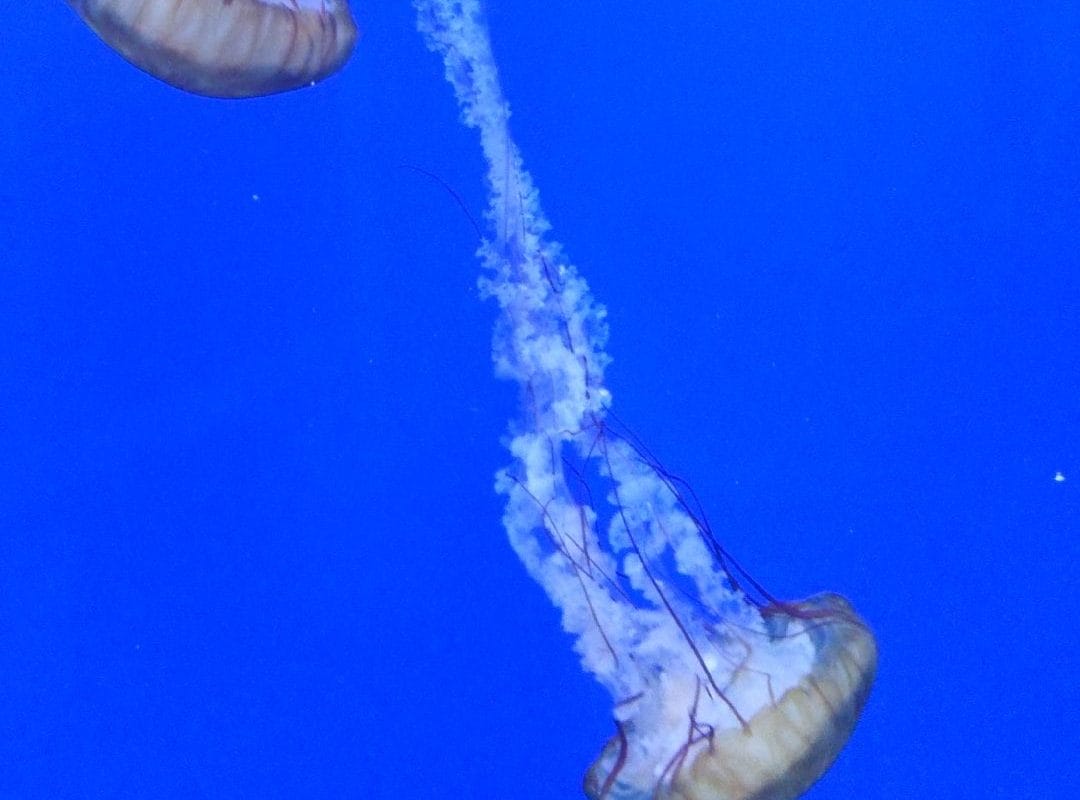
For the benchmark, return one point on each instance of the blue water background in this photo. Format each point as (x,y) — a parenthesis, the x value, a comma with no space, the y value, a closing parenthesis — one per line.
(249,545)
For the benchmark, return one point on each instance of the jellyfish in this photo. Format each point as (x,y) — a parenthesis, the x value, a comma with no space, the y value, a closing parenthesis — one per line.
(720,691)
(227,48)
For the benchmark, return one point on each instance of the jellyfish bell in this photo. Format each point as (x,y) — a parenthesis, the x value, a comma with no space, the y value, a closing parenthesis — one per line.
(726,750)
(227,48)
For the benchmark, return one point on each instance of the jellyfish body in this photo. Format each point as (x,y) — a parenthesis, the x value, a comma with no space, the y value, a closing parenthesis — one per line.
(227,48)
(777,753)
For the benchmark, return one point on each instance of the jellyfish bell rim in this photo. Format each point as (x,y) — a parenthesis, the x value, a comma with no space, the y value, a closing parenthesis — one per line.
(784,748)
(242,48)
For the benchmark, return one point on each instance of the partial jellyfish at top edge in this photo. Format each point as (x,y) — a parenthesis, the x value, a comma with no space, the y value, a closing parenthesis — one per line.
(227,48)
